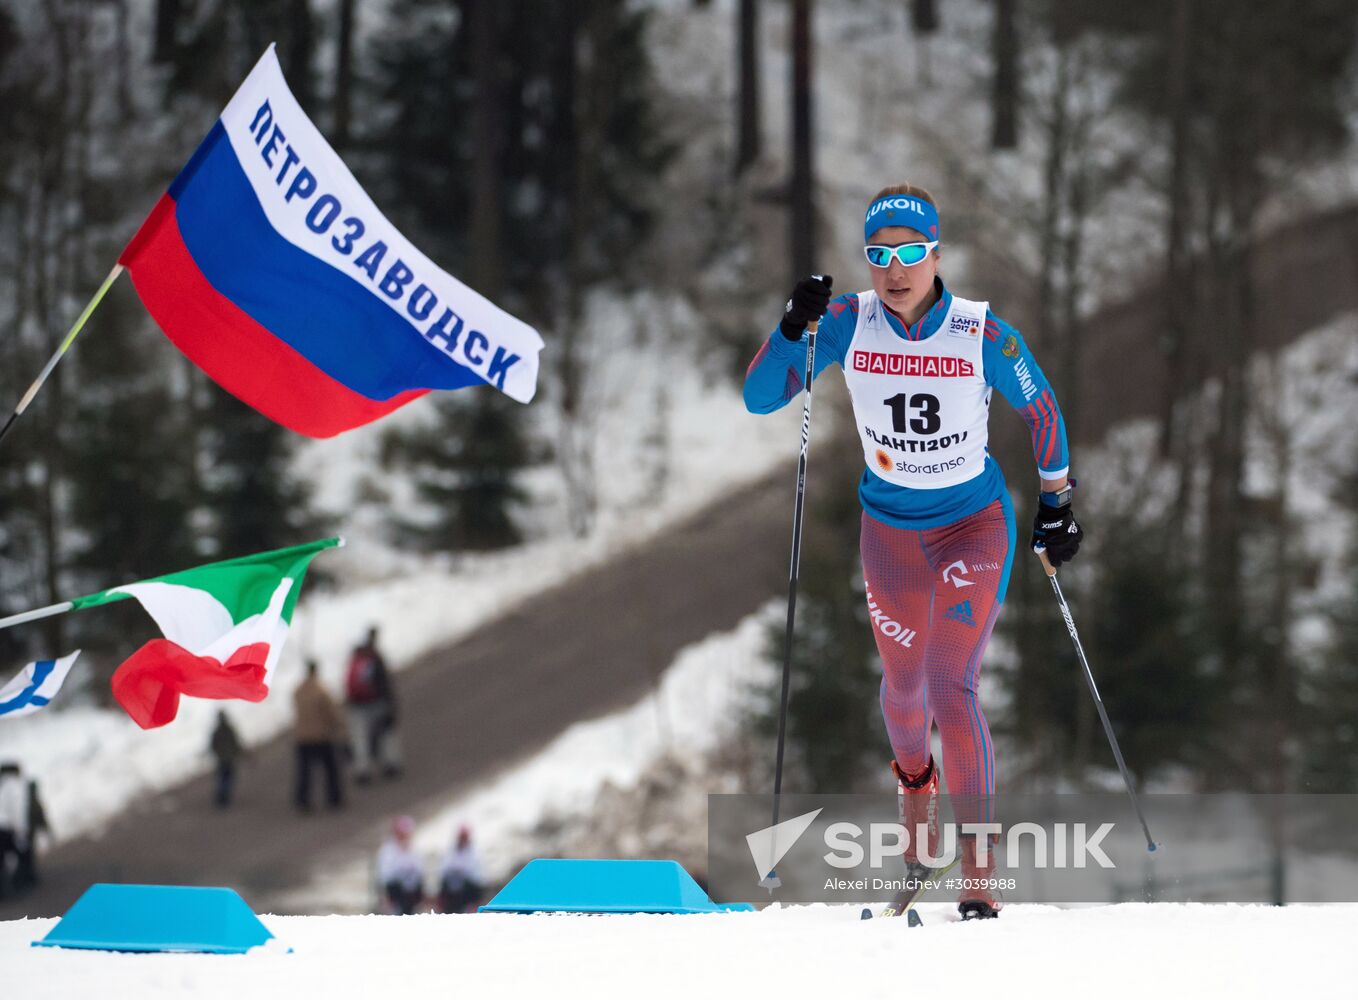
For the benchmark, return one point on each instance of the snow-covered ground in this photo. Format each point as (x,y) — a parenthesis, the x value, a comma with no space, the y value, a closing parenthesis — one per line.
(1134,951)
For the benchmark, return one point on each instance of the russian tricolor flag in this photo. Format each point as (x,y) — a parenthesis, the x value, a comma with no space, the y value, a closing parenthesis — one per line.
(272,270)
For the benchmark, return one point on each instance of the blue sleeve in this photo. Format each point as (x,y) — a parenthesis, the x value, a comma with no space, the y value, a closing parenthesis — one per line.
(1011,368)
(774,377)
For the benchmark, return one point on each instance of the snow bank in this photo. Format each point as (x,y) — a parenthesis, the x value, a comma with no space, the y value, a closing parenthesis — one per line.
(1130,951)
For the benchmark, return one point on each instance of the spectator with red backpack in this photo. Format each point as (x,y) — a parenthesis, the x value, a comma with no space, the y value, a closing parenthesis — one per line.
(371,701)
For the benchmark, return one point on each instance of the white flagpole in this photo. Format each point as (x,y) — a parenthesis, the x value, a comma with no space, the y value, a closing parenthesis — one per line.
(61,351)
(32,616)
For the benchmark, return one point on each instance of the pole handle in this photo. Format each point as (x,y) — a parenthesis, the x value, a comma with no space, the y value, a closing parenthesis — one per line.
(1041,551)
(813,326)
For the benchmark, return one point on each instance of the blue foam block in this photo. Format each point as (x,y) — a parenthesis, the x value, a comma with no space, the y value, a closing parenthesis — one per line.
(600,886)
(112,917)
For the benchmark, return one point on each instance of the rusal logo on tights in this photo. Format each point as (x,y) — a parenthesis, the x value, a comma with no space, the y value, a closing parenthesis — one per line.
(956,574)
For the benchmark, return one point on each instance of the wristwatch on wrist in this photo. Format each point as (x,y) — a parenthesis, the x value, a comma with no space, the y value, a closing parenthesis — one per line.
(1061,498)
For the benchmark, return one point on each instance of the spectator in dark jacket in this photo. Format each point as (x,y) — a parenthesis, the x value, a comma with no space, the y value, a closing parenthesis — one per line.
(13,813)
(26,869)
(227,749)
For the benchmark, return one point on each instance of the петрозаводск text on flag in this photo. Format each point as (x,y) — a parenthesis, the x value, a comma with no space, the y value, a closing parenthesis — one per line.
(268,265)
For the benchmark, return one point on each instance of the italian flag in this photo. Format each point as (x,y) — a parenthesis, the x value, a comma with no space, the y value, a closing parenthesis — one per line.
(224,626)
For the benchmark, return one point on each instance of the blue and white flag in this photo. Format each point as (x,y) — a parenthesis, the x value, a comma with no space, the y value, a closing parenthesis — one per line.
(35,686)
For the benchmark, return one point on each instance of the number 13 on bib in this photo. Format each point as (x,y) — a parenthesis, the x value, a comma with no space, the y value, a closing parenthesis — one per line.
(921,406)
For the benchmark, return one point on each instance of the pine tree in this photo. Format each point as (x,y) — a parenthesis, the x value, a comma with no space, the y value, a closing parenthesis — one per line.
(1146,644)
(249,498)
(579,152)
(568,154)
(20,553)
(133,502)
(465,466)
(1042,682)
(1330,693)
(255,501)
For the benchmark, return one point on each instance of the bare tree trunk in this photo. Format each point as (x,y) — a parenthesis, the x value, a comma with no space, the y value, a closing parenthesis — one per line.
(1004,134)
(123,50)
(51,245)
(1226,464)
(486,270)
(167,24)
(1237,185)
(748,137)
(301,46)
(924,16)
(1078,197)
(1054,179)
(344,72)
(803,215)
(1178,279)
(1278,691)
(574,444)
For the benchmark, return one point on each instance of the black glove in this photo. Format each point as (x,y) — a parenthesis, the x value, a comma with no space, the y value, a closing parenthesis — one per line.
(1055,528)
(809,301)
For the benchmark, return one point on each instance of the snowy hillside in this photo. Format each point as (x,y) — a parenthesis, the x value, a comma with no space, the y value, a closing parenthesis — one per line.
(694,709)
(1132,951)
(92,761)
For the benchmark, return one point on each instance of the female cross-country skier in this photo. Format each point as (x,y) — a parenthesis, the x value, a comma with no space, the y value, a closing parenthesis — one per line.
(938,528)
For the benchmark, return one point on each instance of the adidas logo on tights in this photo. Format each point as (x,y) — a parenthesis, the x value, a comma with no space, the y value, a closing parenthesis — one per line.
(961,612)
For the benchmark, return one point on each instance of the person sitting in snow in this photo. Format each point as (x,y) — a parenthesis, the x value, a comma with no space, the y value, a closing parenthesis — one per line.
(460,878)
(400,869)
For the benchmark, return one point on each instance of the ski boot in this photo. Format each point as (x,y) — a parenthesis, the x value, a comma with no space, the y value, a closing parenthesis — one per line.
(917,798)
(979,898)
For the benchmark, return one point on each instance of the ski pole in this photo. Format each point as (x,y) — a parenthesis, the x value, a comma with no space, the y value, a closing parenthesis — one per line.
(771,881)
(61,351)
(1041,551)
